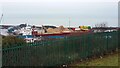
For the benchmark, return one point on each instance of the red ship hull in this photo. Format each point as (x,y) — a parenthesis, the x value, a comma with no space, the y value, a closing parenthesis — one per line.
(53,34)
(56,34)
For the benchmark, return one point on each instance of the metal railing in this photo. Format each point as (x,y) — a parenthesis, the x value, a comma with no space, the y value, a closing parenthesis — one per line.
(62,51)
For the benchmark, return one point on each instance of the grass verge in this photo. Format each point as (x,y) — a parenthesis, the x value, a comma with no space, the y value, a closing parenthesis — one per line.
(107,60)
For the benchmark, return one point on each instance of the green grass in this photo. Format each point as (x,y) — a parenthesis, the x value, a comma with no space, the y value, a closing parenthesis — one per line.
(109,60)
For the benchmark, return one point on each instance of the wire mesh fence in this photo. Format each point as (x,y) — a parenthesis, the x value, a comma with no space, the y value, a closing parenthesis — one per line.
(61,51)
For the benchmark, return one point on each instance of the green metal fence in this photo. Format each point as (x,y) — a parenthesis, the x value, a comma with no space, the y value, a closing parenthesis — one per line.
(62,51)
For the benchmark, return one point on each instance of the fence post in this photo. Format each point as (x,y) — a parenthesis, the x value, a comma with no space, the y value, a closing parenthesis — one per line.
(107,42)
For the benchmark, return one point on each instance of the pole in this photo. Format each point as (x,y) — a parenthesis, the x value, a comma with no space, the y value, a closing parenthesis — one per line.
(1,18)
(69,22)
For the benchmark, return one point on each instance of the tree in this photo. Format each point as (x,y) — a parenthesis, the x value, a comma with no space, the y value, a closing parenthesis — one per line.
(103,24)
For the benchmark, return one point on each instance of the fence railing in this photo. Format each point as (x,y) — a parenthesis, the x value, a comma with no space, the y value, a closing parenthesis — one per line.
(62,51)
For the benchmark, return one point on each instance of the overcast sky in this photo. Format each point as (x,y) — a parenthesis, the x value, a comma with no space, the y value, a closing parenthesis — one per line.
(57,12)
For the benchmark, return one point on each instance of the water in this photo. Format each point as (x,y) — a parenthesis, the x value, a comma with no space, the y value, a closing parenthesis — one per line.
(55,37)
(25,36)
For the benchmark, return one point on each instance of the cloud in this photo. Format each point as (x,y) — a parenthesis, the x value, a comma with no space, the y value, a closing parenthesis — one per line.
(59,0)
(58,12)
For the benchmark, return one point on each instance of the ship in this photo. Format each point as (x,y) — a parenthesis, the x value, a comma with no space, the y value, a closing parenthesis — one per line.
(35,33)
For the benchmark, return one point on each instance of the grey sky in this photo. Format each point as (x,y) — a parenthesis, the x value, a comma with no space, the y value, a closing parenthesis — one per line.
(57,13)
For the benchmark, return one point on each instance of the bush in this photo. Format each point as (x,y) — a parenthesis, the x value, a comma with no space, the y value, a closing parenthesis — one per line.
(12,41)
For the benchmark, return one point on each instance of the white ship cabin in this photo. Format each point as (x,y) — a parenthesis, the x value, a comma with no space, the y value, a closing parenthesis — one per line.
(26,30)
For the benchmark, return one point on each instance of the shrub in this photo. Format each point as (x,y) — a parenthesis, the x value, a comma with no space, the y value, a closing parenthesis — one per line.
(12,41)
